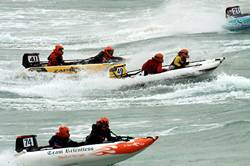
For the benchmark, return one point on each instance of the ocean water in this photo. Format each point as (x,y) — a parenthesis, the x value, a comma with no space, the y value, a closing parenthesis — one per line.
(199,121)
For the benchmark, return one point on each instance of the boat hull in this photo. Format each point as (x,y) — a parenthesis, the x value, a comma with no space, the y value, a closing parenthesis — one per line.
(238,24)
(71,69)
(91,155)
(194,69)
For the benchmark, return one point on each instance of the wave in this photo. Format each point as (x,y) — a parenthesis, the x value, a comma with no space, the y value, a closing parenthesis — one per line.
(99,92)
(237,123)
(109,26)
(178,130)
(7,158)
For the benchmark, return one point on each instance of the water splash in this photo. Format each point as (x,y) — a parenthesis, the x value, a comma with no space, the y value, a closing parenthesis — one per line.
(7,158)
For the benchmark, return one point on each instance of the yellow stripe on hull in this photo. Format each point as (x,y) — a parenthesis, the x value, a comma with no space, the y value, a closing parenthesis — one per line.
(71,69)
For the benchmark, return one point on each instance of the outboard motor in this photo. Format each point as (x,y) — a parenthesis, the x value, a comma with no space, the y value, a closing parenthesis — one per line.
(31,60)
(26,142)
(233,11)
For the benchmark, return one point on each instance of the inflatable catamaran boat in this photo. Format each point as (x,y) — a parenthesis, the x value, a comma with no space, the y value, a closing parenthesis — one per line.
(29,154)
(32,62)
(194,68)
(236,21)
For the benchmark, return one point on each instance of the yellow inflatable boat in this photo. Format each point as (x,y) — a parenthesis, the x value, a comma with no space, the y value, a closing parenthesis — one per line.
(32,62)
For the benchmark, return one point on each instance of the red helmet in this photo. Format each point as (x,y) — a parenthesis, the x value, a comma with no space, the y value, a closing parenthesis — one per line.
(185,51)
(58,47)
(158,57)
(103,120)
(109,51)
(63,132)
(108,48)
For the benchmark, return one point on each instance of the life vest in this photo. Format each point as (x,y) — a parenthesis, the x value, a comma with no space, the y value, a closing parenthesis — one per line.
(98,135)
(106,57)
(152,67)
(55,58)
(179,62)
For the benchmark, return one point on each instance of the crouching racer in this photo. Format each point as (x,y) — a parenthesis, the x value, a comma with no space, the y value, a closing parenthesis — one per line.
(100,132)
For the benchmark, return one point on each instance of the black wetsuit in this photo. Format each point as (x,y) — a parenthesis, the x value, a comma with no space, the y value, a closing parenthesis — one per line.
(98,136)
(97,59)
(57,142)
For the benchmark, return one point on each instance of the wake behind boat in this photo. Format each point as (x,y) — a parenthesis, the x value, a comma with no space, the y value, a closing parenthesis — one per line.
(31,62)
(29,154)
(194,68)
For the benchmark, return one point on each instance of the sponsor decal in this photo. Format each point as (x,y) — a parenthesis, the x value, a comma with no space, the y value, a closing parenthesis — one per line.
(71,70)
(63,157)
(54,152)
(66,151)
(83,149)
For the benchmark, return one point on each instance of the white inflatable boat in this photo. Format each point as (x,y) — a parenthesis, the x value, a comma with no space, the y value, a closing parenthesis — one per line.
(29,154)
(194,68)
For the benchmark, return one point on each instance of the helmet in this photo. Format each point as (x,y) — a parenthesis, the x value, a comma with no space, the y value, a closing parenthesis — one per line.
(158,57)
(103,120)
(109,51)
(185,51)
(59,47)
(108,48)
(63,132)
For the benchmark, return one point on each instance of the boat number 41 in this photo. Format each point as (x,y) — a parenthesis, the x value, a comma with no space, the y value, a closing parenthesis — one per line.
(33,58)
